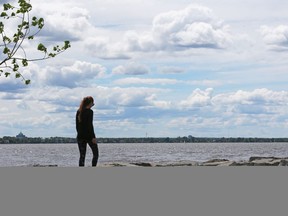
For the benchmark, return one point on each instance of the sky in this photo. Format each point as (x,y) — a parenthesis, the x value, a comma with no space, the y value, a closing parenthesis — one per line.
(156,68)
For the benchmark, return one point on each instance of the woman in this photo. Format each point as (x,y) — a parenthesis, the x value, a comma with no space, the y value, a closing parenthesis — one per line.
(85,131)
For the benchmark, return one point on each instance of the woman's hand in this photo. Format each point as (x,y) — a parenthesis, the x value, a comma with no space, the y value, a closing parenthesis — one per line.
(94,141)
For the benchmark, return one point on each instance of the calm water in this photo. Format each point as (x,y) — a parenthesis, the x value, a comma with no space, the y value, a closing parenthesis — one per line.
(66,155)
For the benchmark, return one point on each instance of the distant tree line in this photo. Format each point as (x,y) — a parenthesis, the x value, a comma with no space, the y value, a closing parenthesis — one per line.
(189,139)
(36,140)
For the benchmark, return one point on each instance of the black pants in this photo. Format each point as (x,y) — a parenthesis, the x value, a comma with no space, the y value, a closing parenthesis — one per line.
(82,145)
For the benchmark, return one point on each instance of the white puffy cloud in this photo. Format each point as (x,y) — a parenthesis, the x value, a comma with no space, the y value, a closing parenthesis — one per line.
(64,99)
(72,76)
(131,68)
(193,27)
(182,30)
(155,103)
(260,97)
(58,106)
(260,112)
(124,97)
(104,48)
(276,38)
(55,107)
(68,24)
(198,98)
(259,102)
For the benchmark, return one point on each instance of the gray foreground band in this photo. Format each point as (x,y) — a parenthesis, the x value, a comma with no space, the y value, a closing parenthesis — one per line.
(225,191)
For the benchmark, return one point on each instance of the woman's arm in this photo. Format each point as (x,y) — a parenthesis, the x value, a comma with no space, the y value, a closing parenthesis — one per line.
(77,122)
(91,127)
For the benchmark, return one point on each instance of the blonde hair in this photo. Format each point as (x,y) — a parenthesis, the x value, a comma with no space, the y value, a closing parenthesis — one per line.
(84,103)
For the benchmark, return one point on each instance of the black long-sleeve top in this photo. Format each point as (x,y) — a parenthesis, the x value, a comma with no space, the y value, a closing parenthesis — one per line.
(85,129)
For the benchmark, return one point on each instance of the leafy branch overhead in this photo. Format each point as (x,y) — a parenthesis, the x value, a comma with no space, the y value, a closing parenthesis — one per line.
(13,56)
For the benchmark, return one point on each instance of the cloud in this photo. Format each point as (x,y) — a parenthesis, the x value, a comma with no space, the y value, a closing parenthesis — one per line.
(208,83)
(172,70)
(198,98)
(258,104)
(259,97)
(138,81)
(55,107)
(11,84)
(78,74)
(105,98)
(196,122)
(257,108)
(276,38)
(191,28)
(104,48)
(166,81)
(69,24)
(124,97)
(131,68)
(246,113)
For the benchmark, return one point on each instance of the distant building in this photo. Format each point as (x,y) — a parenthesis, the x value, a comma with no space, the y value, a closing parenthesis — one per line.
(20,135)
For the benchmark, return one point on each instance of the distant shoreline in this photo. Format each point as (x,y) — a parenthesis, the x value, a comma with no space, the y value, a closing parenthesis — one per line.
(189,139)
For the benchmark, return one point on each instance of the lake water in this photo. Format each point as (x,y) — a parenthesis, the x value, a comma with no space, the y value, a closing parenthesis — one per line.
(66,155)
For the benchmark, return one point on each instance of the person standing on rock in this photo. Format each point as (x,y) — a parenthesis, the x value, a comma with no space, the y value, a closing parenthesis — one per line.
(85,131)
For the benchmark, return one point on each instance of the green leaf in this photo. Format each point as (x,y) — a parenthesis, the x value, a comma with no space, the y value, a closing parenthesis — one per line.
(7,74)
(40,23)
(56,48)
(42,48)
(16,67)
(25,24)
(30,37)
(52,55)
(6,50)
(67,44)
(27,82)
(17,75)
(34,21)
(17,36)
(3,14)
(1,27)
(25,62)
(6,39)
(24,6)
(7,7)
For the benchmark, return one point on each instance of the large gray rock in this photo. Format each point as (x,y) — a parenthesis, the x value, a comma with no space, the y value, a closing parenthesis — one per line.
(217,162)
(283,162)
(268,161)
(253,161)
(43,165)
(180,164)
(142,164)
